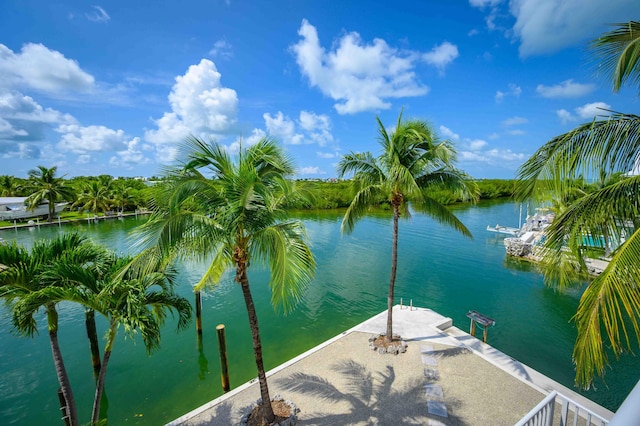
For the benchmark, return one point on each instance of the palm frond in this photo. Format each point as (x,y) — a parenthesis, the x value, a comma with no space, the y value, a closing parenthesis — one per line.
(619,53)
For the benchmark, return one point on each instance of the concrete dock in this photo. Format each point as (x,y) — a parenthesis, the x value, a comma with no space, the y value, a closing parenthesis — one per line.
(446,377)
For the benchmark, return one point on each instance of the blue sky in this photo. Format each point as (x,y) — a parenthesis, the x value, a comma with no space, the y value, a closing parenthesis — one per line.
(113,87)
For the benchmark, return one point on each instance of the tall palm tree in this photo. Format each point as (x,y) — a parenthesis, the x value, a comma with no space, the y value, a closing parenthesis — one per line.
(25,279)
(611,302)
(43,185)
(8,186)
(228,209)
(413,161)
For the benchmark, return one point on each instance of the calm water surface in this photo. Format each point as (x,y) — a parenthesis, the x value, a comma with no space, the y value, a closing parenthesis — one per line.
(437,268)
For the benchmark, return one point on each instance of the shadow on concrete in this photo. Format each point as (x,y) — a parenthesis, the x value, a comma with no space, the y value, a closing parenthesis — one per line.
(372,398)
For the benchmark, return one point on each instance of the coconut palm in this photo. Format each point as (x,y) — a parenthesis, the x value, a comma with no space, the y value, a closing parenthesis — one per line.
(227,210)
(611,144)
(8,186)
(24,279)
(94,196)
(43,185)
(413,161)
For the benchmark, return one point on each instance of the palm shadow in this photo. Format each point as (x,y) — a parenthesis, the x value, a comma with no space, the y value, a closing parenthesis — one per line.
(372,397)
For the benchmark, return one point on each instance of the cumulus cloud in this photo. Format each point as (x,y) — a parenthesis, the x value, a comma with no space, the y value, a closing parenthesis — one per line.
(98,15)
(132,156)
(309,128)
(448,133)
(441,56)
(476,144)
(546,26)
(359,76)
(514,90)
(327,155)
(82,139)
(199,105)
(566,89)
(253,139)
(585,112)
(283,128)
(39,68)
(24,124)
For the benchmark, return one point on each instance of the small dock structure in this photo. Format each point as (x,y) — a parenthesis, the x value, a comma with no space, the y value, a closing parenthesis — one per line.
(483,320)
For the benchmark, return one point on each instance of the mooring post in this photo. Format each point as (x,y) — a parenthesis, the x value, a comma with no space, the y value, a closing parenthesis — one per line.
(410,304)
(222,346)
(198,314)
(401,303)
(472,330)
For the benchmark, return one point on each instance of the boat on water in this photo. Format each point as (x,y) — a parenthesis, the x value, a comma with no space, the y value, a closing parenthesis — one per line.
(15,208)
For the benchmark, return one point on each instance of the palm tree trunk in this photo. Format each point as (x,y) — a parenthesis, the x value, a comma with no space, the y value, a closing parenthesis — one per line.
(52,210)
(394,265)
(95,414)
(92,335)
(61,371)
(266,408)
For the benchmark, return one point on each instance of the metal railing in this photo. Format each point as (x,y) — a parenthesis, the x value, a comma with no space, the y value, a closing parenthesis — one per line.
(571,413)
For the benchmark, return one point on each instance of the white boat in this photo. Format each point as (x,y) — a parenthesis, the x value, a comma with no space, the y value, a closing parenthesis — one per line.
(14,208)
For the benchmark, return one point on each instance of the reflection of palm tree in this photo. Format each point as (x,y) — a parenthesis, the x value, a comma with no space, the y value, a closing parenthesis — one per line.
(611,302)
(412,163)
(235,218)
(371,399)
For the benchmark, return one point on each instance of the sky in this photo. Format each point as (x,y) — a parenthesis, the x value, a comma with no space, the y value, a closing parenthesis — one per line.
(114,87)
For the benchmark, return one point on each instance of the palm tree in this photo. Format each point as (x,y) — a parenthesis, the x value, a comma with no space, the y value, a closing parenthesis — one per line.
(611,302)
(122,194)
(233,215)
(25,280)
(412,162)
(8,186)
(43,185)
(95,197)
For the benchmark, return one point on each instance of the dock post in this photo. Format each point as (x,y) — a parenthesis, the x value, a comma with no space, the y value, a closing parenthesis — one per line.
(199,314)
(15,225)
(484,334)
(472,329)
(410,304)
(401,303)
(222,346)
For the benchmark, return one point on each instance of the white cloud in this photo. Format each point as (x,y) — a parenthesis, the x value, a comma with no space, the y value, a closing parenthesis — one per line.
(494,136)
(21,151)
(98,15)
(359,76)
(200,105)
(589,111)
(514,90)
(39,68)
(514,121)
(283,128)
(222,49)
(448,133)
(132,156)
(82,139)
(318,127)
(83,159)
(327,154)
(565,116)
(566,89)
(476,144)
(441,56)
(585,112)
(311,171)
(516,132)
(545,26)
(254,138)
(493,157)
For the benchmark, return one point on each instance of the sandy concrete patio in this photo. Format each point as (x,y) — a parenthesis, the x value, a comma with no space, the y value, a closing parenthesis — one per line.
(445,378)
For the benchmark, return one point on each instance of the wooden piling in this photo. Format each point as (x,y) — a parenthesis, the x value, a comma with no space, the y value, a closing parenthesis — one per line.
(199,314)
(224,365)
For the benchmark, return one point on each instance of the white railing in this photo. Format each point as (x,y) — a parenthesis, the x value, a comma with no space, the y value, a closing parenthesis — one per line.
(571,413)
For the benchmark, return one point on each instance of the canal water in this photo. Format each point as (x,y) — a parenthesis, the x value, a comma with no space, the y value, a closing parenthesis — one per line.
(437,268)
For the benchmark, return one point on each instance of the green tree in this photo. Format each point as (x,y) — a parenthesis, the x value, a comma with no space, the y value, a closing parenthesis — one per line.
(412,163)
(95,197)
(233,215)
(43,185)
(609,145)
(8,186)
(24,282)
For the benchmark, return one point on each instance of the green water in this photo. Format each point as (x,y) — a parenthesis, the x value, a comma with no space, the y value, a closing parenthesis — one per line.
(437,268)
